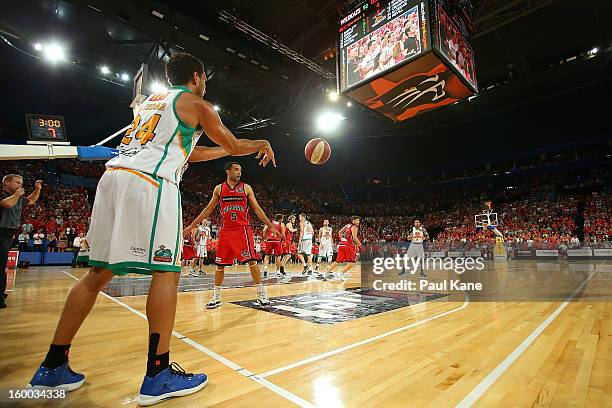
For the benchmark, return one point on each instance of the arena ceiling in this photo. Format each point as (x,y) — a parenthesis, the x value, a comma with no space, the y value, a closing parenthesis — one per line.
(266,68)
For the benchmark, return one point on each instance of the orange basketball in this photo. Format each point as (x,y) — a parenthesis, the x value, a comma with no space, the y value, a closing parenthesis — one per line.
(317,151)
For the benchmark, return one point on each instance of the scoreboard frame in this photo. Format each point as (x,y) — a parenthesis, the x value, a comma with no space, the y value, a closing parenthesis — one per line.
(35,139)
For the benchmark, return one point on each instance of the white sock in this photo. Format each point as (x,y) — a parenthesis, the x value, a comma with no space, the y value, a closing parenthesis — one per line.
(260,288)
(217,291)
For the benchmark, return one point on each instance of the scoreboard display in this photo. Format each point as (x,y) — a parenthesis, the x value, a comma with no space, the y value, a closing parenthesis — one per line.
(46,128)
(379,36)
(451,42)
(402,58)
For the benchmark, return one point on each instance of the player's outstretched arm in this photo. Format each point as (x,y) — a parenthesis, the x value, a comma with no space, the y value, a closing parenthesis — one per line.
(210,121)
(258,211)
(202,153)
(206,211)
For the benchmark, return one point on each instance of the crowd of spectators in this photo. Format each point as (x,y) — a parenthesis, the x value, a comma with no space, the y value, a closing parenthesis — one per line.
(539,213)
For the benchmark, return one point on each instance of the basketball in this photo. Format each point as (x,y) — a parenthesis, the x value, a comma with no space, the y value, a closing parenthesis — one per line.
(317,151)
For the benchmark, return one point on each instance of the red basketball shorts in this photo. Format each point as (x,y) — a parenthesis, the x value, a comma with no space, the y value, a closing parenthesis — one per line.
(188,252)
(235,245)
(346,253)
(274,247)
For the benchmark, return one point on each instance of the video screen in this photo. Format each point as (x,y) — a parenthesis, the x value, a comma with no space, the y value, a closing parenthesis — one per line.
(455,48)
(380,37)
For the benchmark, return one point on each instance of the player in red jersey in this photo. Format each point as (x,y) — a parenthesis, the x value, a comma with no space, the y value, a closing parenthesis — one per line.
(234,198)
(289,231)
(347,248)
(274,245)
(189,252)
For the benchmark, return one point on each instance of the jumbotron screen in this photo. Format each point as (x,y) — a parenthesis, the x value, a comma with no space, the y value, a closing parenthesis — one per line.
(378,36)
(455,48)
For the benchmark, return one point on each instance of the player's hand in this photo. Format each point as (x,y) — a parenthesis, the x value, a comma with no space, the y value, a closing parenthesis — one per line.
(19,192)
(38,185)
(277,233)
(266,154)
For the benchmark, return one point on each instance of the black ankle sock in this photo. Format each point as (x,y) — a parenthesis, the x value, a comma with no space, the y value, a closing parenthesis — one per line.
(157,363)
(57,355)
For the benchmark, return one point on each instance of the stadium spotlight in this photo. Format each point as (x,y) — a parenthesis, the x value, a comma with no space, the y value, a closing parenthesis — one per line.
(38,47)
(104,70)
(158,87)
(216,107)
(54,53)
(329,121)
(125,77)
(333,96)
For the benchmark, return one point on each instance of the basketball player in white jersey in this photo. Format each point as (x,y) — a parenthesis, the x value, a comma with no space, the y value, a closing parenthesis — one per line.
(416,237)
(326,240)
(136,225)
(201,242)
(305,244)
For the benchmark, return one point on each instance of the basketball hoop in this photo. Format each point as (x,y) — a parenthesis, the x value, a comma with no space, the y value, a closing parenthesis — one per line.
(487,218)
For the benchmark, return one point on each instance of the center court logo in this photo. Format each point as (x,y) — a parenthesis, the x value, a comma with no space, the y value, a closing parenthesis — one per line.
(163,254)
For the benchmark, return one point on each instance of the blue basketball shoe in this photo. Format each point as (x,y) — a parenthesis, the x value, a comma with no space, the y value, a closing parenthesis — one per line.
(61,376)
(171,382)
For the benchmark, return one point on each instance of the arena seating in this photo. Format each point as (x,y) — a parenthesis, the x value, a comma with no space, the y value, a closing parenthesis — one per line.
(537,206)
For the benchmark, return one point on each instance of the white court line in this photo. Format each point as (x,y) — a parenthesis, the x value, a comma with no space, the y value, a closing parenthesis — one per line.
(362,342)
(272,387)
(486,383)
(14,281)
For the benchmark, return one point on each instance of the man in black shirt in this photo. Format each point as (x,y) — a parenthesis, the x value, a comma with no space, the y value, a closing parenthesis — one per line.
(11,201)
(410,43)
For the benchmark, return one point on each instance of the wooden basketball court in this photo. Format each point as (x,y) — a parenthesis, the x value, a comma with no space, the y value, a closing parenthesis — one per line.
(444,352)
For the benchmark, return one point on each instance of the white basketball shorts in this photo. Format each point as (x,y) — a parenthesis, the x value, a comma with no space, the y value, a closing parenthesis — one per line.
(136,224)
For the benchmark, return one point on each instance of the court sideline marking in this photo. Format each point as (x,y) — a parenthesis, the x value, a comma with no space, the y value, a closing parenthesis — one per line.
(494,375)
(261,381)
(362,342)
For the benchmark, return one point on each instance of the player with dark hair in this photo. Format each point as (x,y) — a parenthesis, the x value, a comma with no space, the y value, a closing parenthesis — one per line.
(305,244)
(274,245)
(234,198)
(326,240)
(417,235)
(136,224)
(289,231)
(347,249)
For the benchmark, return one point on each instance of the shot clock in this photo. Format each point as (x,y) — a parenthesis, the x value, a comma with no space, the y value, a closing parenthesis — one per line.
(43,129)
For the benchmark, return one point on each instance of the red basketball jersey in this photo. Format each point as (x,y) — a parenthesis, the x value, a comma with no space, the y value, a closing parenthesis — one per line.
(234,207)
(288,234)
(346,236)
(270,236)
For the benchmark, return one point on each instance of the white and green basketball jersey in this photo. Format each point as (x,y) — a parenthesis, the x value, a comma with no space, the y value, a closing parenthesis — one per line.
(158,142)
(417,235)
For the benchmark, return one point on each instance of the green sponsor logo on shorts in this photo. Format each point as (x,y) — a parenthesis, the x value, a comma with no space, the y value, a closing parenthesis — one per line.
(163,254)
